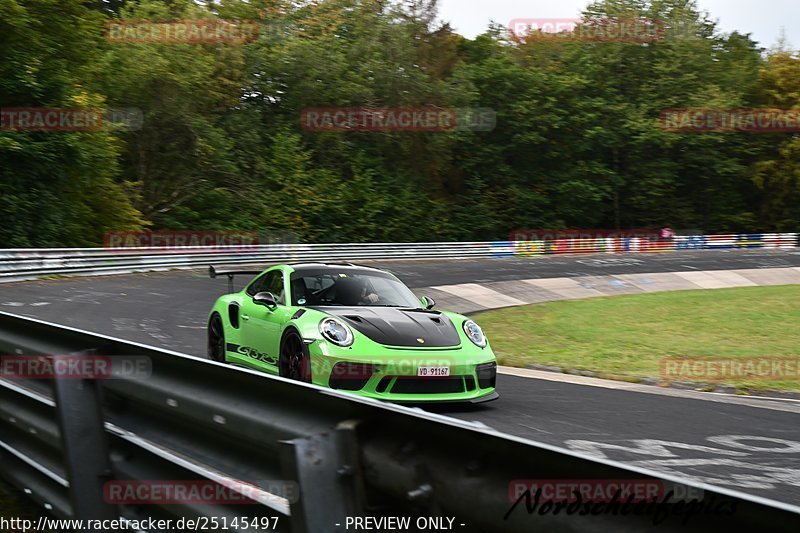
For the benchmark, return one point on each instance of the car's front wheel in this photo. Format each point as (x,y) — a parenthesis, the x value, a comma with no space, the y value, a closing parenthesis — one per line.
(216,339)
(295,361)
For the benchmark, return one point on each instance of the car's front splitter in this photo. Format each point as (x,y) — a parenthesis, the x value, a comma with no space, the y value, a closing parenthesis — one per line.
(483,399)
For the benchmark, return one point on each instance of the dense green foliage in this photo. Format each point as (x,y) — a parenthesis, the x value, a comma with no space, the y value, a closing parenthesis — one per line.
(578,141)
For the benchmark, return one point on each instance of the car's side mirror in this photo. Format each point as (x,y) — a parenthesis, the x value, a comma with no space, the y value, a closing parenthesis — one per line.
(428,302)
(267,299)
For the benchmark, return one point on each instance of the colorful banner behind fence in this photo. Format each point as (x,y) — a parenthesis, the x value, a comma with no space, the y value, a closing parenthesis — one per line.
(618,245)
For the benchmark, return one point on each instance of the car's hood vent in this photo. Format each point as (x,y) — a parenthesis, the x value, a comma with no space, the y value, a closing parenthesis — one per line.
(391,326)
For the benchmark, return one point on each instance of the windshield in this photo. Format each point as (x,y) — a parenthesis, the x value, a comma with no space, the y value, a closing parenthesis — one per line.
(350,288)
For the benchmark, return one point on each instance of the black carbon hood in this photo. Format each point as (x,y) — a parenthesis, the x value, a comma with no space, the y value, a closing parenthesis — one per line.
(391,326)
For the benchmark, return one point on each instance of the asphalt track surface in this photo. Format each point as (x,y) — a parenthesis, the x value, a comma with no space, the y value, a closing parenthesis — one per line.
(754,448)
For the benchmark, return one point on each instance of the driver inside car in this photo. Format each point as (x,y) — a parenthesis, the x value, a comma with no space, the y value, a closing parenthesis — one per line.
(354,291)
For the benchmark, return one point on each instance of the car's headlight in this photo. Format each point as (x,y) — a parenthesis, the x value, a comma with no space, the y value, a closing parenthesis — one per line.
(475,333)
(336,331)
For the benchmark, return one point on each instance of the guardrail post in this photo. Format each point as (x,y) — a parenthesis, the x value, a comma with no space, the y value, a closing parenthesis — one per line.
(85,445)
(326,468)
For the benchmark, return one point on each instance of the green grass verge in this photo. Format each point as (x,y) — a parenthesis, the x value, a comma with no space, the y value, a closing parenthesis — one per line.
(627,336)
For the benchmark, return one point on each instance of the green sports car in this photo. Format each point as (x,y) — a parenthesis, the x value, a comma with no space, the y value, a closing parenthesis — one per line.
(351,328)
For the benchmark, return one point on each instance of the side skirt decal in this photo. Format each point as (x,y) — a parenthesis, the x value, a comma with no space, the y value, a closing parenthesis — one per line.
(252,353)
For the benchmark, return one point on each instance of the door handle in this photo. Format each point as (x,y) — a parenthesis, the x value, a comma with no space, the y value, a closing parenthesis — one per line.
(245,317)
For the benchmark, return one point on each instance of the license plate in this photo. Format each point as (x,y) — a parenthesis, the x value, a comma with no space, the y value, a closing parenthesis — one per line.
(433,371)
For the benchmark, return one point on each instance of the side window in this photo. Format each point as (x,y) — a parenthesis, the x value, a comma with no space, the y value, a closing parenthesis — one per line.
(269,282)
(274,284)
(257,285)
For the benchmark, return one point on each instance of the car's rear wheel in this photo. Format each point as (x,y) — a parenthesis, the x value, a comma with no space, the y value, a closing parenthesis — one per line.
(295,361)
(216,339)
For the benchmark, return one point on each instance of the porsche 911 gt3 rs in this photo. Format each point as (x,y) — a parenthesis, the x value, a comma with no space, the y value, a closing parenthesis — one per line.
(351,328)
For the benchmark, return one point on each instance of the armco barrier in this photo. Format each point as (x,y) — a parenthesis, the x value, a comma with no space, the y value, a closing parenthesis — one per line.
(21,264)
(192,419)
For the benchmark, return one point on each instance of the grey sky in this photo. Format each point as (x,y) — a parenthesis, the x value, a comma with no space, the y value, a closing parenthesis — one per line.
(763,18)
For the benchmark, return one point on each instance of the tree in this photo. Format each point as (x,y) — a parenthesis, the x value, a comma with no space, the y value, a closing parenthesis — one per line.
(777,175)
(56,188)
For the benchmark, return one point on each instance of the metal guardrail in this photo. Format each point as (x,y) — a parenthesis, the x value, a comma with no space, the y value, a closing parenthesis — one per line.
(34,263)
(192,419)
(22,264)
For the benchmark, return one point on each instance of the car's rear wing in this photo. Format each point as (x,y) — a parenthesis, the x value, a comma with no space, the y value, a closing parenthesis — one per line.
(214,273)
